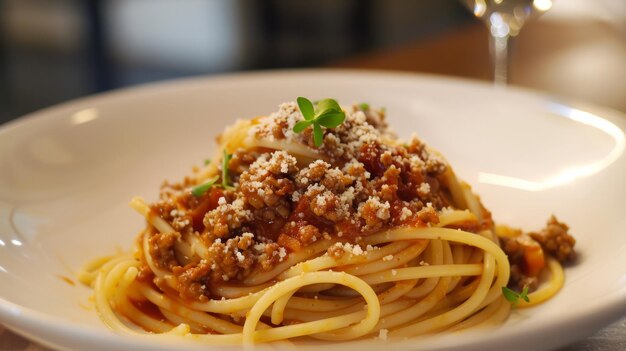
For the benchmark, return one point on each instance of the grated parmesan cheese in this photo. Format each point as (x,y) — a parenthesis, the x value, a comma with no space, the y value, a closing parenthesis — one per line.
(240,256)
(405,213)
(282,253)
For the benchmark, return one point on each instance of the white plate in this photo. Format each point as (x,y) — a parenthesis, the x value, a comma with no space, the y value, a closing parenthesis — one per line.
(67,173)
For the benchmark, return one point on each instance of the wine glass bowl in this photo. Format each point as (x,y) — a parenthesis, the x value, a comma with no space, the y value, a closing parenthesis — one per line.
(504,19)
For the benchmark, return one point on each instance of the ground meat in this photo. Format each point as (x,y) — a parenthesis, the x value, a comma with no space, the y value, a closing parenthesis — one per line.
(336,181)
(231,260)
(321,172)
(313,173)
(388,187)
(308,234)
(226,218)
(375,213)
(433,163)
(326,204)
(163,209)
(297,234)
(428,215)
(278,125)
(400,174)
(556,240)
(361,188)
(269,255)
(553,239)
(267,181)
(329,192)
(191,280)
(356,169)
(514,249)
(162,249)
(241,160)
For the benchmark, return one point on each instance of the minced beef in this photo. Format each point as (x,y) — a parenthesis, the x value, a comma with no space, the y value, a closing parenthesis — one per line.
(556,240)
(162,249)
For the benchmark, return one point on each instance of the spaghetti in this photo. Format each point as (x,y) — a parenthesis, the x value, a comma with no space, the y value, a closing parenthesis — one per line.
(361,236)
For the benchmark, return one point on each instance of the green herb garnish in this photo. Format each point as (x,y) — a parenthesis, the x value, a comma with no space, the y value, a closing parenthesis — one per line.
(364,106)
(514,297)
(327,113)
(225,177)
(201,189)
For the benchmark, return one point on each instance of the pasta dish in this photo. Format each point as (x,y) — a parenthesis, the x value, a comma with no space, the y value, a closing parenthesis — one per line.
(316,221)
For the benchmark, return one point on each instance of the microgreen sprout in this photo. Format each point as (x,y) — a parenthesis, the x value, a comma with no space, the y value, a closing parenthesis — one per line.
(326,113)
(515,297)
(225,176)
(201,189)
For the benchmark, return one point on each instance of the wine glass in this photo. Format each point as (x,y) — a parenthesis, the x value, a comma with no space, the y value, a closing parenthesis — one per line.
(504,19)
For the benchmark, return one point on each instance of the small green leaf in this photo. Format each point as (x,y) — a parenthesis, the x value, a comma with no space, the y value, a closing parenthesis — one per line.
(306,108)
(225,176)
(514,297)
(207,161)
(510,295)
(302,125)
(331,119)
(325,106)
(326,113)
(364,106)
(524,294)
(318,135)
(201,189)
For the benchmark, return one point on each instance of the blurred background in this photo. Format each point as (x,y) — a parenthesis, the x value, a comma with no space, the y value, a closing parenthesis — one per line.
(56,50)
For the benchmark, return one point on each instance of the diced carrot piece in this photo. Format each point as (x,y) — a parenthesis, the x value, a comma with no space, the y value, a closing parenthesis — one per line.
(292,244)
(534,259)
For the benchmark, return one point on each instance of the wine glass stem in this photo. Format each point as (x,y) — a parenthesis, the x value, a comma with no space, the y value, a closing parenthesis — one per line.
(500,59)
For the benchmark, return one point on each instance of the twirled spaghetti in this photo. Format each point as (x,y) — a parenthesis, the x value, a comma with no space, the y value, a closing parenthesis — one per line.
(278,238)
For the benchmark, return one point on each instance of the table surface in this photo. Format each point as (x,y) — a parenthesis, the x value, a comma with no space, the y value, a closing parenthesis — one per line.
(611,338)
(582,61)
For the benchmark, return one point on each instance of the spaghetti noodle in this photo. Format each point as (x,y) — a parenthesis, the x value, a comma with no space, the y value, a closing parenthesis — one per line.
(361,236)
